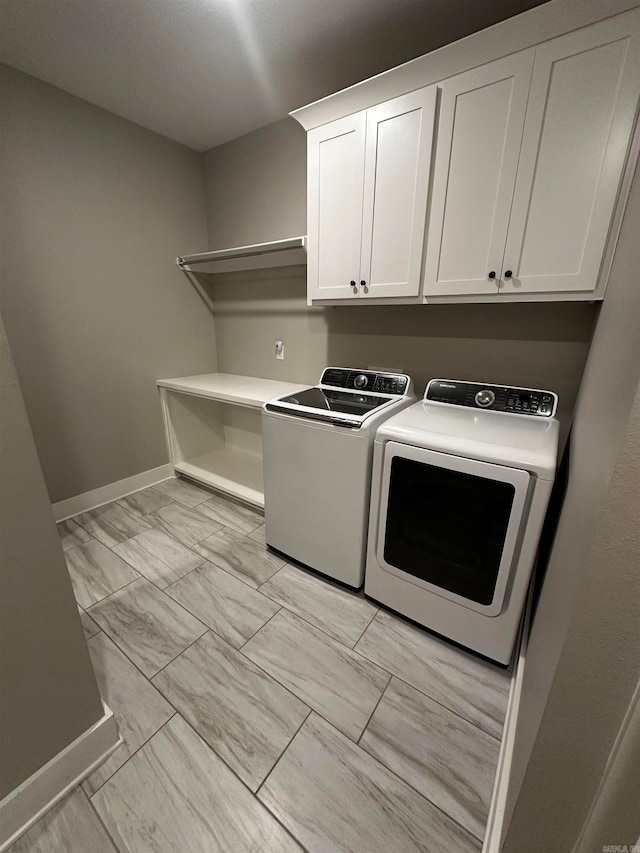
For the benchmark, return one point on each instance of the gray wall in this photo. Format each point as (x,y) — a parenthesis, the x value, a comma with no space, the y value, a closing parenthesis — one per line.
(595,681)
(49,692)
(256,191)
(586,629)
(94,211)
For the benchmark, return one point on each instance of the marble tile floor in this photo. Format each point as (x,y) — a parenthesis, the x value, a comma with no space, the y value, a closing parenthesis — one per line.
(261,707)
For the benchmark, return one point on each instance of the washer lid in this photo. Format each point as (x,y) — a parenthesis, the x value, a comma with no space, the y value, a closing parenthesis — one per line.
(513,440)
(337,407)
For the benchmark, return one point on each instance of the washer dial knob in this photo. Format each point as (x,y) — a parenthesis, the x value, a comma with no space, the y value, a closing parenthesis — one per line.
(361,381)
(485,398)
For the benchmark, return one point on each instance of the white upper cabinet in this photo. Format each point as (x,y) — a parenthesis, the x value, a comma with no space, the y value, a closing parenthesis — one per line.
(516,193)
(368,183)
(482,115)
(582,104)
(335,180)
(530,153)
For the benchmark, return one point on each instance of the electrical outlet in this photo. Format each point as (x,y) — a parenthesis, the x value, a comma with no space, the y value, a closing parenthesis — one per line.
(280,350)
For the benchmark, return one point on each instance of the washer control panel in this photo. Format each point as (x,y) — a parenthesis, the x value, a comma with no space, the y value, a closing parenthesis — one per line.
(496,398)
(365,380)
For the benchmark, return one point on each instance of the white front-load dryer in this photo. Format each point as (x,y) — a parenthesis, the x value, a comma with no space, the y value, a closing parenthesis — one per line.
(460,487)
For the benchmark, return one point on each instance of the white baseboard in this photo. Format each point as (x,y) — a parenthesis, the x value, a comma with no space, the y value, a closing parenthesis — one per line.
(110,492)
(498,818)
(40,792)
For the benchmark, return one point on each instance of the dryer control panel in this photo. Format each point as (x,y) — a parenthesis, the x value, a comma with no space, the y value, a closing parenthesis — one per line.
(495,398)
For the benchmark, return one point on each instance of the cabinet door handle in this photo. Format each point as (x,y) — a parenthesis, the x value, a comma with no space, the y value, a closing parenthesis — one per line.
(508,273)
(354,286)
(492,274)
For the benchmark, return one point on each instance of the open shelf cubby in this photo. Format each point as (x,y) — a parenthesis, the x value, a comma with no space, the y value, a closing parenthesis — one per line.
(213,430)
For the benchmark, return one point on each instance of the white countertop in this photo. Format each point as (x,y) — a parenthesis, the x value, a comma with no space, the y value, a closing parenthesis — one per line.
(228,388)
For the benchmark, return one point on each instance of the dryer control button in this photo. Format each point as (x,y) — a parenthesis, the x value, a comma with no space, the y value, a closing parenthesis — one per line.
(485,398)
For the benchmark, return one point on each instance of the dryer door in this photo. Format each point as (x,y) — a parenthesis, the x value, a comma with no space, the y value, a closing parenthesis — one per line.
(450,525)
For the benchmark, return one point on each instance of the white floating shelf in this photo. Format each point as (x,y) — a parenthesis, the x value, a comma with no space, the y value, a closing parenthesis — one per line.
(278,253)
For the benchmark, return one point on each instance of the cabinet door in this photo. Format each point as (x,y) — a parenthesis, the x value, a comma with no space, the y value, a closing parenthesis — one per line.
(478,142)
(334,204)
(584,95)
(399,140)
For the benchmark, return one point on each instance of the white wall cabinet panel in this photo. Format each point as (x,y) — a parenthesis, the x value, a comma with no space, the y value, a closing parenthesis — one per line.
(482,114)
(583,99)
(335,187)
(368,186)
(399,142)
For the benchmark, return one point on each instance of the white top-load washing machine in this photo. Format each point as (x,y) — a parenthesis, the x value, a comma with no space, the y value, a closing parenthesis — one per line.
(460,488)
(317,452)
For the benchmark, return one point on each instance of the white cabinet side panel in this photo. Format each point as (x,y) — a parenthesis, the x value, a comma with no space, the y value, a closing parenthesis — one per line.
(335,187)
(583,100)
(478,143)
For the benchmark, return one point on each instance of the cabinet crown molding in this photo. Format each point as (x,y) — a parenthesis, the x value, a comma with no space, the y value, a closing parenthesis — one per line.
(528,29)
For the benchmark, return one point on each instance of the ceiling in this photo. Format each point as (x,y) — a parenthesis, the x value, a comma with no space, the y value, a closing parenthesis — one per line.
(206,71)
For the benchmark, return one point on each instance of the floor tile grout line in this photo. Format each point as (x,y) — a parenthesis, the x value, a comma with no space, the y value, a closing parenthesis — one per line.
(377,610)
(132,515)
(231,770)
(420,794)
(175,657)
(266,672)
(368,660)
(129,757)
(269,676)
(311,624)
(222,569)
(134,753)
(148,488)
(254,588)
(142,574)
(189,547)
(451,710)
(278,759)
(131,661)
(373,758)
(104,597)
(101,821)
(433,699)
(137,666)
(380,698)
(299,698)
(150,580)
(210,627)
(228,499)
(273,615)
